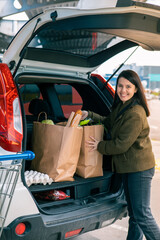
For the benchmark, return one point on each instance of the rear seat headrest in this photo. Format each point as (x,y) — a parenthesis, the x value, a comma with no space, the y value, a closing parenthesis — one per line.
(38,105)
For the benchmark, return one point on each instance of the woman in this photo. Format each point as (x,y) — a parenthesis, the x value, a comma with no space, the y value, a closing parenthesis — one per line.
(131,150)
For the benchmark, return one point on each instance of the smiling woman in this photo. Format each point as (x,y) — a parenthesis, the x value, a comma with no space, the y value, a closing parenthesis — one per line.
(131,150)
(125,89)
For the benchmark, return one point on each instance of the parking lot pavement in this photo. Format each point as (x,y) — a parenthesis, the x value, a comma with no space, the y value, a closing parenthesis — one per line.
(154,123)
(156,151)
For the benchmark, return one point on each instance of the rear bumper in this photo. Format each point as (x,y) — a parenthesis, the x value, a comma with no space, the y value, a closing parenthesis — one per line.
(48,227)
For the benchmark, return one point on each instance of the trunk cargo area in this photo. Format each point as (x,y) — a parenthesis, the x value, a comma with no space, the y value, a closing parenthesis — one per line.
(64,95)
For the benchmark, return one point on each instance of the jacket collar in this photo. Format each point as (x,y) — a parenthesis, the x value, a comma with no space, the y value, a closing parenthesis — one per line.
(125,106)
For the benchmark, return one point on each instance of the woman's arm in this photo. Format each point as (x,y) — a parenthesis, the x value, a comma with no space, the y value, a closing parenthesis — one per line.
(94,116)
(127,134)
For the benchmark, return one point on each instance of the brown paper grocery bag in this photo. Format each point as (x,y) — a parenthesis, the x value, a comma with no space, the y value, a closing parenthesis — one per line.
(56,150)
(90,163)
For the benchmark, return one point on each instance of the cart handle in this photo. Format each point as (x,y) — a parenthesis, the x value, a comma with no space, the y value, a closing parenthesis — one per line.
(27,155)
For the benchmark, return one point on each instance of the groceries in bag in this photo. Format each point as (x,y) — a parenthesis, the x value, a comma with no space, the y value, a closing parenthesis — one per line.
(74,119)
(57,149)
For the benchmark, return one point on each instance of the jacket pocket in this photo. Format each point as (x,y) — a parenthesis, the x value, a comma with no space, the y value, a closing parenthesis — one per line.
(130,154)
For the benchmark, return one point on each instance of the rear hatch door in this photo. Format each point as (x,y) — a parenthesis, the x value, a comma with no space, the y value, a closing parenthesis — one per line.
(78,41)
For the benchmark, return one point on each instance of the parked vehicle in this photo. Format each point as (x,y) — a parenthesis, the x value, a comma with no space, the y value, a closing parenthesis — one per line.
(51,60)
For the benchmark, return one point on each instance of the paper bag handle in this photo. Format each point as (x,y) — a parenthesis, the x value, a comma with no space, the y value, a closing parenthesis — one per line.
(45,114)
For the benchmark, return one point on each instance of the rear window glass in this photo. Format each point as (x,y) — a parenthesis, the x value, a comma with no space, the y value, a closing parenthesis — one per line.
(28,93)
(69,98)
(77,42)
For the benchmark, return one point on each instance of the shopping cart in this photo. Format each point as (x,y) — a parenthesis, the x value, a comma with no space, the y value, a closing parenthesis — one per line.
(10,167)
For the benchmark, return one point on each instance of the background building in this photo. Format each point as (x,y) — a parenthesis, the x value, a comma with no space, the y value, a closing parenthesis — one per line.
(149,75)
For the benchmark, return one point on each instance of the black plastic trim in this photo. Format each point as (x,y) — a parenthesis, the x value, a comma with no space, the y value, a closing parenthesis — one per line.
(47,55)
(42,227)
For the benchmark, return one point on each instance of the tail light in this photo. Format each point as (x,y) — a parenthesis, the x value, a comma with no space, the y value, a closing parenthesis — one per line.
(73,233)
(20,229)
(10,113)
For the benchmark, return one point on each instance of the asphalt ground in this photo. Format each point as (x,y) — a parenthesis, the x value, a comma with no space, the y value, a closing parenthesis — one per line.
(154,122)
(156,150)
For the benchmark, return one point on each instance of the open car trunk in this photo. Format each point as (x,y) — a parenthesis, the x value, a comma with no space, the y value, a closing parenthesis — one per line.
(63,95)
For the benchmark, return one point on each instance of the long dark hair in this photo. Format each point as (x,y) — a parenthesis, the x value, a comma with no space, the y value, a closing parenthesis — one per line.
(139,96)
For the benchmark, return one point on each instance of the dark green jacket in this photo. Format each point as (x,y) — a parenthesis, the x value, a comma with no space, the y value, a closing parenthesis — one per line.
(130,145)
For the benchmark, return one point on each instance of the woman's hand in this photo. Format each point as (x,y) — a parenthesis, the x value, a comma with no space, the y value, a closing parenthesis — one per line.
(84,115)
(92,145)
